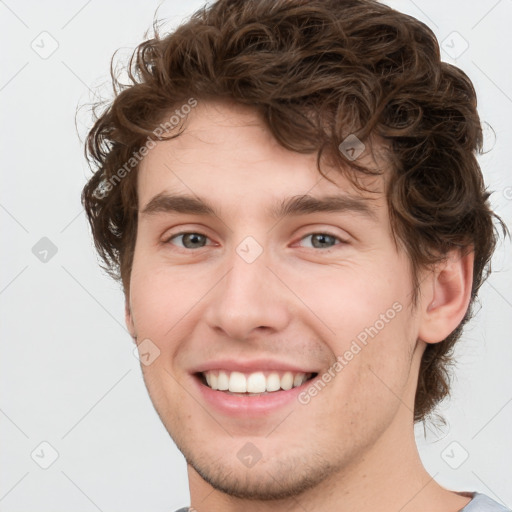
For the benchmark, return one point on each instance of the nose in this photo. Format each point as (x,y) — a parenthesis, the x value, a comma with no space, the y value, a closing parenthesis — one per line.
(249,300)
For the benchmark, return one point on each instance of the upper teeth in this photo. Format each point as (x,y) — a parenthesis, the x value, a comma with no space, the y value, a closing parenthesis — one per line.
(256,382)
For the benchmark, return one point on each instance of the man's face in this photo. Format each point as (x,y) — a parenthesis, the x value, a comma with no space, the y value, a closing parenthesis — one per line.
(248,292)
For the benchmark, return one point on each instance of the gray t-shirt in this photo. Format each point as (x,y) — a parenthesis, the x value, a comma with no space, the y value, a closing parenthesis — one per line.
(479,503)
(482,503)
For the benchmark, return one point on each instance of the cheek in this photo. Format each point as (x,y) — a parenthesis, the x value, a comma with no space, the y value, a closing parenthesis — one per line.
(162,308)
(160,297)
(351,299)
(369,330)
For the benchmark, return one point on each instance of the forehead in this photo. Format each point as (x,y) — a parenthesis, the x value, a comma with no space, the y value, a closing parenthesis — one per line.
(226,152)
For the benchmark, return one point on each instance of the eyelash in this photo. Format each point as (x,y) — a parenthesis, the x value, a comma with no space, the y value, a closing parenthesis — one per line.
(182,233)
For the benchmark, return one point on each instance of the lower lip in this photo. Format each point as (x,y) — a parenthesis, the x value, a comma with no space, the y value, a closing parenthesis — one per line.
(252,406)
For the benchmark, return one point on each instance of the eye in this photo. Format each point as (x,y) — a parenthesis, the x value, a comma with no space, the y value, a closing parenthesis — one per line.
(194,240)
(323,240)
(189,240)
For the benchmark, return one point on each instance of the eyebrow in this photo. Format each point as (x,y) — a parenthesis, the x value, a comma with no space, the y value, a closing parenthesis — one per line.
(292,206)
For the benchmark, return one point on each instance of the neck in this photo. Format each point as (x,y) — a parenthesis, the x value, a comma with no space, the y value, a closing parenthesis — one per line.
(388,477)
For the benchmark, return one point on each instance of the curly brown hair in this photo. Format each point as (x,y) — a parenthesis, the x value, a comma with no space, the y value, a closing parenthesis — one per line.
(316,71)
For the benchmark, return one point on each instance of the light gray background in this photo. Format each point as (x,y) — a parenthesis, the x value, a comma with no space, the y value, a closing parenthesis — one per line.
(68,374)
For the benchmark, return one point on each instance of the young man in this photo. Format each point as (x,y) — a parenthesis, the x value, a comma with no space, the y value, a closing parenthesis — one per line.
(290,194)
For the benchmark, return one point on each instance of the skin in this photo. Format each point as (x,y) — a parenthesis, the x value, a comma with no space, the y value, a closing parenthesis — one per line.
(352,446)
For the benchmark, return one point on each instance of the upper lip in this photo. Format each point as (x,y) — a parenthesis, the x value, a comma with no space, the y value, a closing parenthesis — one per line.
(251,365)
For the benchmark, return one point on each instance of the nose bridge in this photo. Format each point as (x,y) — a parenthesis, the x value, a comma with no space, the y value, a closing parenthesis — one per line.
(249,296)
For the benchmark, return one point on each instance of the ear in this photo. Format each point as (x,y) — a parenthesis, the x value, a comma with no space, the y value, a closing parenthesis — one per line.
(128,318)
(445,296)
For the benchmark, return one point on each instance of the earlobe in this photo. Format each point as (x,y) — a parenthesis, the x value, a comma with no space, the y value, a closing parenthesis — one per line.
(450,292)
(128,318)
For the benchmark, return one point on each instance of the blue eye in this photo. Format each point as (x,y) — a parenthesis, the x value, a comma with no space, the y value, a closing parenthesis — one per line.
(322,240)
(191,240)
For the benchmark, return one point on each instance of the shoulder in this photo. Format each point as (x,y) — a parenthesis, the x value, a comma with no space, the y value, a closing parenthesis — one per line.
(482,503)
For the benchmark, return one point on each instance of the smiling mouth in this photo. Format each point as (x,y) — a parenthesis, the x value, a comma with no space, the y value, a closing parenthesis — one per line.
(253,384)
